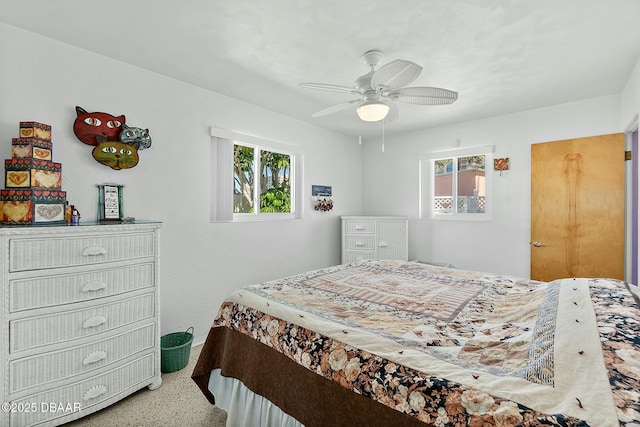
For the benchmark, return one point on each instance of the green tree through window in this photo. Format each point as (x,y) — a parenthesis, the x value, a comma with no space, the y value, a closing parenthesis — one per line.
(274,171)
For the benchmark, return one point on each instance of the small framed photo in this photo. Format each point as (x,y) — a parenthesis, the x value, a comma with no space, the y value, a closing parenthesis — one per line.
(321,190)
(110,207)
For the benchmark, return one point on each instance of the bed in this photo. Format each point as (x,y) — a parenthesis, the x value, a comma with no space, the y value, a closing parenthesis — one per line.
(393,343)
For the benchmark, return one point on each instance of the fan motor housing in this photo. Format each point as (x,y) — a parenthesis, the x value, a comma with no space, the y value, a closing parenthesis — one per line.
(372,58)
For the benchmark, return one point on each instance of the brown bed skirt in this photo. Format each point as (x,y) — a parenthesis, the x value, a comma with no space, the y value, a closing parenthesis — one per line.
(309,398)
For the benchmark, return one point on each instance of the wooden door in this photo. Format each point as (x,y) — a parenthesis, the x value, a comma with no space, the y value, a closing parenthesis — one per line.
(577,208)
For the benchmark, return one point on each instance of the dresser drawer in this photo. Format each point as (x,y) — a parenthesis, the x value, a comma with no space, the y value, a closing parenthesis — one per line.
(51,252)
(353,256)
(37,292)
(68,325)
(360,227)
(85,394)
(360,243)
(58,365)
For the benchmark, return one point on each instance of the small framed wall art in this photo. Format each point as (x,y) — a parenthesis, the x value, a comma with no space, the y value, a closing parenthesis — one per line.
(501,165)
(322,195)
(321,190)
(110,206)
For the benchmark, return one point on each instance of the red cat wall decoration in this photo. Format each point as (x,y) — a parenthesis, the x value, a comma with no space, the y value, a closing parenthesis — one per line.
(89,125)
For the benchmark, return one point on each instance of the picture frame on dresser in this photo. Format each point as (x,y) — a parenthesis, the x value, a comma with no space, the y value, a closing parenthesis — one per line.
(79,320)
(110,203)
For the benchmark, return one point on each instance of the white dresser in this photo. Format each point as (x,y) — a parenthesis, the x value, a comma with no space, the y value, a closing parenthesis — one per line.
(374,237)
(79,316)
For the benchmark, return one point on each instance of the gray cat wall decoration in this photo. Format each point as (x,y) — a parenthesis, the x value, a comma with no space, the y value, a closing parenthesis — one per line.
(132,135)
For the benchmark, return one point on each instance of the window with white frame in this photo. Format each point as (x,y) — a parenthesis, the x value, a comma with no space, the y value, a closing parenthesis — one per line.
(456,184)
(261,180)
(253,179)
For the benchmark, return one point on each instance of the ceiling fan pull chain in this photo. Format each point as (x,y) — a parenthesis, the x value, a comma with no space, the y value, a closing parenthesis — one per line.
(383,135)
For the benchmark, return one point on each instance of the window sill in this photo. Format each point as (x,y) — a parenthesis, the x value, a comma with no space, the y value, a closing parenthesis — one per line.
(256,218)
(459,217)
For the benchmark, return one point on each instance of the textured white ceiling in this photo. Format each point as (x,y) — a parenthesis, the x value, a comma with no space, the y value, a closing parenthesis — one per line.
(501,56)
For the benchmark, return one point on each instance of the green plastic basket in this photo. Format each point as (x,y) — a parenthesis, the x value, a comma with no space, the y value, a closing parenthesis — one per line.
(175,349)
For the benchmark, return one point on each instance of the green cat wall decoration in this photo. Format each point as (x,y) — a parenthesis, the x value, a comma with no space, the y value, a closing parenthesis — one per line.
(116,144)
(115,154)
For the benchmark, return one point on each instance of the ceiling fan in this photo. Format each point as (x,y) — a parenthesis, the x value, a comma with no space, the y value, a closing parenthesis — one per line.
(379,90)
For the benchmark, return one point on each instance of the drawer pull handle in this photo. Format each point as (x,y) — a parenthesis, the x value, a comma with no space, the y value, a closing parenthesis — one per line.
(94,357)
(359,244)
(95,391)
(93,286)
(94,251)
(94,321)
(383,244)
(359,227)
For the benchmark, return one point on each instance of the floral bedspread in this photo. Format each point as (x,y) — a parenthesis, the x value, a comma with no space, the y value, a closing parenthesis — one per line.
(454,347)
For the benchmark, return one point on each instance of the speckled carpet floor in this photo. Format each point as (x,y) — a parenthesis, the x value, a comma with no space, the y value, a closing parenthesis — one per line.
(177,403)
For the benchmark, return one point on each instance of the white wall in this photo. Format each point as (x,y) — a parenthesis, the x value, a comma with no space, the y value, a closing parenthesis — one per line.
(43,80)
(500,245)
(630,99)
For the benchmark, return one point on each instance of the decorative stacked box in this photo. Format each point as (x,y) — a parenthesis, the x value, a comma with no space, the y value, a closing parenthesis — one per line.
(33,183)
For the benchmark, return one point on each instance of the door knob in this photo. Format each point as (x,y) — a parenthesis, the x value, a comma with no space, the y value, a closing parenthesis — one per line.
(536,244)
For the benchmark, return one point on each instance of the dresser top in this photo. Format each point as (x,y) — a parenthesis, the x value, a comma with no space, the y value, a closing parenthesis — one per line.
(83,226)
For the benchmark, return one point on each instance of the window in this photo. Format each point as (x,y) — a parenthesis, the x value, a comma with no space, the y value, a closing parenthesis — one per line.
(261,178)
(456,184)
(253,179)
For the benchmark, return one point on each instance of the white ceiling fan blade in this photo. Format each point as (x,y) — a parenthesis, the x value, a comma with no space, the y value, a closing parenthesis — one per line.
(395,74)
(335,108)
(421,95)
(331,88)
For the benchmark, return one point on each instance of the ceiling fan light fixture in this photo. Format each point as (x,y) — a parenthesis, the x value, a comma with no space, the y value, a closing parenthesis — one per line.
(372,111)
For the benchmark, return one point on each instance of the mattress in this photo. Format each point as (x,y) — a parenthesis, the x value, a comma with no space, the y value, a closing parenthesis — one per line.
(400,343)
